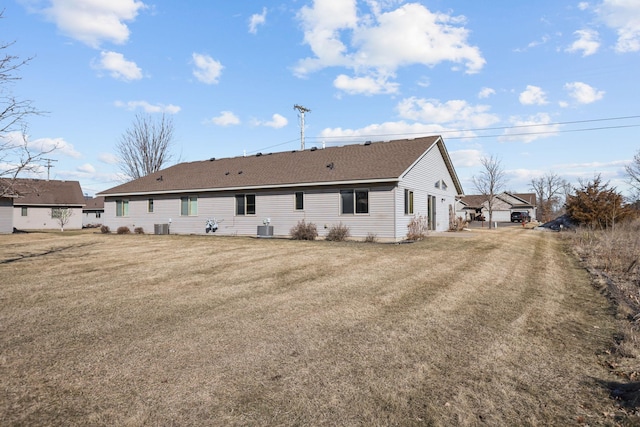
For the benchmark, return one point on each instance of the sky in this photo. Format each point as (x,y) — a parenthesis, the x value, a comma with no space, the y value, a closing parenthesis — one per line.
(546,86)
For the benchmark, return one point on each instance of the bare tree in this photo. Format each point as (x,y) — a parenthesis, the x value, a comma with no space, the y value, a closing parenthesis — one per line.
(146,146)
(16,155)
(549,189)
(62,215)
(490,182)
(633,172)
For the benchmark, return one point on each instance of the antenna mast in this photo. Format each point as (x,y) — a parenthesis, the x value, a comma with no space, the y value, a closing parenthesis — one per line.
(302,110)
(49,166)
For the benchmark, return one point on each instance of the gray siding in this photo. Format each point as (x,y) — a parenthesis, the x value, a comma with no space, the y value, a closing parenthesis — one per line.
(321,206)
(6,216)
(39,218)
(421,178)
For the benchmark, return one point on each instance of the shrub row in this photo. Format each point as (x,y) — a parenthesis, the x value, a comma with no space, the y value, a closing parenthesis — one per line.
(338,233)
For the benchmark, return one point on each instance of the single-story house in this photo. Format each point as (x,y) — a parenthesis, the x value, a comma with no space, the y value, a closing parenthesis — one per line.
(37,204)
(473,207)
(373,188)
(93,211)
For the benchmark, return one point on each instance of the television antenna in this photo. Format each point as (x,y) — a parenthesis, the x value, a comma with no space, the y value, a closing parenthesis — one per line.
(49,166)
(302,110)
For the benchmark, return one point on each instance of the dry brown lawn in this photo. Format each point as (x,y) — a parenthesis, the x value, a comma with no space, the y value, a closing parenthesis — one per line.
(500,328)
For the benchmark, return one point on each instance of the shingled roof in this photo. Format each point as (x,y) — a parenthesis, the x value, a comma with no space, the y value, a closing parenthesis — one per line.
(40,192)
(356,163)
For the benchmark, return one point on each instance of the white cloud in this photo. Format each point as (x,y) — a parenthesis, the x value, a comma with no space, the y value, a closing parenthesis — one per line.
(587,42)
(378,43)
(624,17)
(582,93)
(583,5)
(364,85)
(45,145)
(486,92)
(529,129)
(207,69)
(147,107)
(94,22)
(226,118)
(256,20)
(86,168)
(456,113)
(277,121)
(533,95)
(108,158)
(466,158)
(118,67)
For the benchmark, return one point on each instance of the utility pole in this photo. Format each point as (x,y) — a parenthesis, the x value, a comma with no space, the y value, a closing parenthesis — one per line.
(49,166)
(302,110)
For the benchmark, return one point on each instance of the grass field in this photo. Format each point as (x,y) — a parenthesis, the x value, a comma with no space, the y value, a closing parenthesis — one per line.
(499,328)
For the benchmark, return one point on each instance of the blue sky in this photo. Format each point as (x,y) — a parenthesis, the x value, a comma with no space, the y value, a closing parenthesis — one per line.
(546,86)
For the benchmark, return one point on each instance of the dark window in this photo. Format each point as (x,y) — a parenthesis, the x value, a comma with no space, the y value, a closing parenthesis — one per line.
(299,200)
(245,204)
(150,206)
(189,206)
(354,201)
(408,202)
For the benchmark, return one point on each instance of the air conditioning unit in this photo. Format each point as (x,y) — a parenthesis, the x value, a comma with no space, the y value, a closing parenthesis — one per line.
(160,228)
(265,231)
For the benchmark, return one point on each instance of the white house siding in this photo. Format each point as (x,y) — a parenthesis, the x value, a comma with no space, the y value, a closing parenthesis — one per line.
(39,218)
(91,218)
(6,216)
(321,207)
(422,179)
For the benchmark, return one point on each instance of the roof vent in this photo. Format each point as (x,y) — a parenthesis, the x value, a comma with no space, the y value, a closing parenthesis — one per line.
(258,154)
(212,159)
(226,173)
(314,148)
(330,165)
(159,178)
(367,143)
(239,172)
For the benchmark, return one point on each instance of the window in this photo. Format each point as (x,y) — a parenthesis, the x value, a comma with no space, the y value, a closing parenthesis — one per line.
(437,184)
(299,200)
(98,214)
(24,211)
(354,201)
(150,205)
(122,208)
(189,206)
(408,202)
(245,204)
(444,185)
(56,212)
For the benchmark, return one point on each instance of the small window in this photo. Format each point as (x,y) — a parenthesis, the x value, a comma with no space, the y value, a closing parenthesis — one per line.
(56,213)
(122,208)
(150,205)
(245,204)
(189,206)
(98,215)
(444,185)
(408,202)
(354,201)
(299,200)
(24,211)
(437,184)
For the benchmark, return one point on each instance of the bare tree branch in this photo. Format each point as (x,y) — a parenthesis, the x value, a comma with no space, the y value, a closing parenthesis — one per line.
(146,146)
(549,190)
(490,182)
(633,172)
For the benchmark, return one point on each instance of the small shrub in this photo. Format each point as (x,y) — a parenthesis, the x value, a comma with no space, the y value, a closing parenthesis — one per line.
(371,238)
(417,228)
(104,229)
(123,230)
(338,233)
(138,230)
(304,231)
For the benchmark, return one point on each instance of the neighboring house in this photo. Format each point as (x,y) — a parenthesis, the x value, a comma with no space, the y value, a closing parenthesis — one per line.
(6,215)
(472,207)
(93,211)
(372,188)
(37,204)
